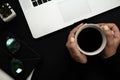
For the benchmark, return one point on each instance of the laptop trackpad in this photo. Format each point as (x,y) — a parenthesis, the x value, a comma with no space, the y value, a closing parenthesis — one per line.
(73,9)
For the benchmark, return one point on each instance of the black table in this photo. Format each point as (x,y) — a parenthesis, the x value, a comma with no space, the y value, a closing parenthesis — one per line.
(55,63)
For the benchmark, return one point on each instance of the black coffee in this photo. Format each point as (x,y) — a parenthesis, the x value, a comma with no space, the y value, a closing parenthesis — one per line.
(89,39)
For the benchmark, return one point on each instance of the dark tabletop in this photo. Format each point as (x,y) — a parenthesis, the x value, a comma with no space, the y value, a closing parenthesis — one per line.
(55,62)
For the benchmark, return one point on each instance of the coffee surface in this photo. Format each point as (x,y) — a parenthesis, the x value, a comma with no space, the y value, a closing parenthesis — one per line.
(89,39)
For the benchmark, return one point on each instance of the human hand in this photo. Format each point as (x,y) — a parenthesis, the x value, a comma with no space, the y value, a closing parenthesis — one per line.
(72,47)
(113,39)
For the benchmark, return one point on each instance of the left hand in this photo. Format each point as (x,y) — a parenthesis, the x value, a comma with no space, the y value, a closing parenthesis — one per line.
(72,47)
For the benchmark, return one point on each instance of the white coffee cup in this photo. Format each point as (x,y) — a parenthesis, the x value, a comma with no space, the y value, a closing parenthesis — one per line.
(92,39)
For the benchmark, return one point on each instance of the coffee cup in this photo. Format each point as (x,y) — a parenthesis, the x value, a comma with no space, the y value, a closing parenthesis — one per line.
(91,39)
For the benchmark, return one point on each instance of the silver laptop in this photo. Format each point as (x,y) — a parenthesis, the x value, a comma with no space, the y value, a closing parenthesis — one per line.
(46,16)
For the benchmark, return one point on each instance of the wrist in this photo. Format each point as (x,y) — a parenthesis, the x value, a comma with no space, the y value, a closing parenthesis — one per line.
(108,55)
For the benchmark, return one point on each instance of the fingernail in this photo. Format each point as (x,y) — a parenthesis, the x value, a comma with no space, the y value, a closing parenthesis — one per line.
(113,32)
(72,39)
(105,27)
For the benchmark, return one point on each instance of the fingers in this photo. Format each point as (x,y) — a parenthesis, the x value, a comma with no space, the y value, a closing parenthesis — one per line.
(76,28)
(72,33)
(75,53)
(112,34)
(109,35)
(113,38)
(114,29)
(72,46)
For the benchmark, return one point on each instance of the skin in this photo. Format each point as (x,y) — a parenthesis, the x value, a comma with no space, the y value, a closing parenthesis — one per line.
(113,40)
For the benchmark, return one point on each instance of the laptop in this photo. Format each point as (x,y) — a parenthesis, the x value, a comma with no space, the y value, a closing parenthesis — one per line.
(46,16)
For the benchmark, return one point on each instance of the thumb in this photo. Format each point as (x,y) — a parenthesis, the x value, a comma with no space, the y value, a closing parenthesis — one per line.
(109,34)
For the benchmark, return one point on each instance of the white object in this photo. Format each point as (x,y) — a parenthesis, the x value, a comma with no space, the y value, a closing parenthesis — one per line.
(30,76)
(4,75)
(104,40)
(57,14)
(11,16)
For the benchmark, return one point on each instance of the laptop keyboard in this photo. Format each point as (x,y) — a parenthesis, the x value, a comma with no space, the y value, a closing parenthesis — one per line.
(38,2)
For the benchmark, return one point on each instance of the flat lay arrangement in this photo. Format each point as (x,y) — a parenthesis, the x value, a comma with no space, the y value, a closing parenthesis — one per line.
(27,54)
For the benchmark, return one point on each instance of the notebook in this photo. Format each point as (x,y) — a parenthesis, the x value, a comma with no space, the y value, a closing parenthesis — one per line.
(46,16)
